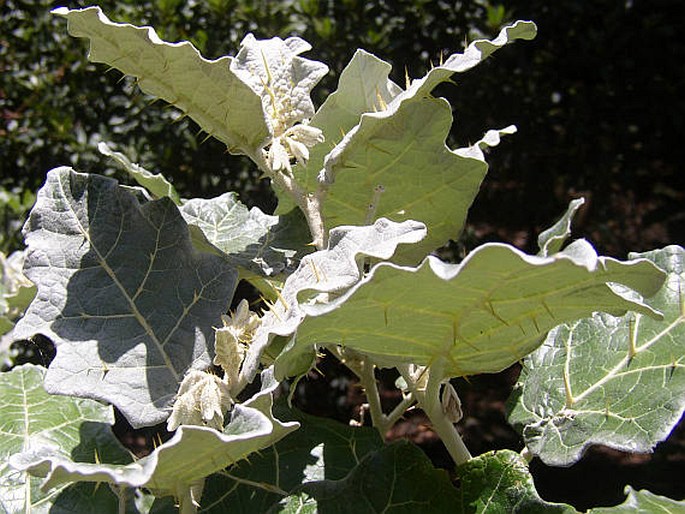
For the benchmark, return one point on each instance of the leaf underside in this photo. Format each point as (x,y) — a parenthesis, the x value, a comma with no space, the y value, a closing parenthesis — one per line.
(583,386)
(207,91)
(476,317)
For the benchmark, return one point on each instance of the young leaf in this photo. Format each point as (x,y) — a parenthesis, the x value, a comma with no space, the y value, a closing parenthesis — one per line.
(329,271)
(34,421)
(273,70)
(401,148)
(476,317)
(127,300)
(500,482)
(192,454)
(643,501)
(363,87)
(258,243)
(207,91)
(155,183)
(616,381)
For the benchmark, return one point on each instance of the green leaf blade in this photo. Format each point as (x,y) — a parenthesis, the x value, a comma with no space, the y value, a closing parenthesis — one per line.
(122,293)
(616,381)
(500,482)
(477,317)
(34,421)
(193,453)
(258,243)
(207,91)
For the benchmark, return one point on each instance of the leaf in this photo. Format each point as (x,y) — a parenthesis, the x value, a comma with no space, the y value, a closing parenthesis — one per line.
(551,240)
(500,482)
(260,244)
(399,168)
(273,70)
(155,183)
(128,302)
(363,87)
(616,381)
(395,479)
(35,421)
(329,271)
(207,91)
(320,449)
(479,316)
(193,452)
(400,149)
(643,501)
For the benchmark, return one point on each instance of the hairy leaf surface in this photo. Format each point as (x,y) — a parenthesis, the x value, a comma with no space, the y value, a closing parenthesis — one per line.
(193,452)
(258,243)
(127,300)
(398,147)
(33,421)
(330,271)
(476,317)
(208,91)
(616,381)
(500,482)
(268,482)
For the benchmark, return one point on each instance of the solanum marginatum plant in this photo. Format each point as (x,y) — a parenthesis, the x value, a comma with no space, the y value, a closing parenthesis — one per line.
(134,284)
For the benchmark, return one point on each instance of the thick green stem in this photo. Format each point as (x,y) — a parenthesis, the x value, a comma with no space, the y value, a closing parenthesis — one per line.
(426,389)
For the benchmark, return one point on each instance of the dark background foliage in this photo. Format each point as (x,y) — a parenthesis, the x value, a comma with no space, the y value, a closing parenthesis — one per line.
(597,98)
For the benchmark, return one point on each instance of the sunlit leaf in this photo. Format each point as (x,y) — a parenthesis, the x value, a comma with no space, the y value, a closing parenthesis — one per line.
(615,381)
(500,482)
(127,300)
(207,91)
(32,420)
(479,316)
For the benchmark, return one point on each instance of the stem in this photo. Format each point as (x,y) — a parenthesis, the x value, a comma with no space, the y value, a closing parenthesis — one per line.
(373,397)
(363,368)
(121,495)
(309,204)
(426,389)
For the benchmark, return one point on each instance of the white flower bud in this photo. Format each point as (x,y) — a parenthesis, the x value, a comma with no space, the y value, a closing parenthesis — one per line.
(202,399)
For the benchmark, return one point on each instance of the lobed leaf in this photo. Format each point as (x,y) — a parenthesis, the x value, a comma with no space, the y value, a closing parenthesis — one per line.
(615,381)
(321,449)
(476,317)
(274,70)
(328,271)
(398,146)
(257,243)
(192,454)
(33,421)
(207,91)
(127,300)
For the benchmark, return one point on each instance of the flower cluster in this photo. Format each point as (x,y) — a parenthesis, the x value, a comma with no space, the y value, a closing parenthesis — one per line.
(294,143)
